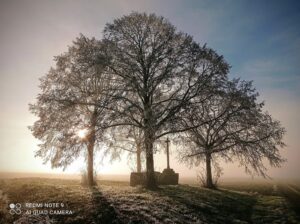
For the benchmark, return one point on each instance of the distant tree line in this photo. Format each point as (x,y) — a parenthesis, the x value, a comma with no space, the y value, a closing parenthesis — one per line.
(144,80)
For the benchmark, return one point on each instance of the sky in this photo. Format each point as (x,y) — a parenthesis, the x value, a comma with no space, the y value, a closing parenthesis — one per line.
(259,39)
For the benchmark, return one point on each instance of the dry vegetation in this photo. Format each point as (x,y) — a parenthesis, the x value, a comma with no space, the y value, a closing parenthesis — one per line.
(117,202)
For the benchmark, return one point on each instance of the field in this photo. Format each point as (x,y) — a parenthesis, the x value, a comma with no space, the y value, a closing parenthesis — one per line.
(117,202)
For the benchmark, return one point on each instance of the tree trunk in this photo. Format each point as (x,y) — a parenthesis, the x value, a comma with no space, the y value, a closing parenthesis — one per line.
(91,144)
(150,176)
(90,166)
(209,182)
(148,143)
(138,158)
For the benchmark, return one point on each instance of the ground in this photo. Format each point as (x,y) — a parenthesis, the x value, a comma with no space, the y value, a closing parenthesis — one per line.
(117,202)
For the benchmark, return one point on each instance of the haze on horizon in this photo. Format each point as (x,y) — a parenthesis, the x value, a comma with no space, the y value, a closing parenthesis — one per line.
(260,40)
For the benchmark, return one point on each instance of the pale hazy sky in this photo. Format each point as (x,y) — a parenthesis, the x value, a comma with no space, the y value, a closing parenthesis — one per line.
(260,39)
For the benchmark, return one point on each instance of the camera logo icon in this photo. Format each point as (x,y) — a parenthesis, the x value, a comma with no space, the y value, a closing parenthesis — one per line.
(15,208)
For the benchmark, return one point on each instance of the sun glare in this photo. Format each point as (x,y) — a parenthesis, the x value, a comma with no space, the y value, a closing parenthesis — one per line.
(82,133)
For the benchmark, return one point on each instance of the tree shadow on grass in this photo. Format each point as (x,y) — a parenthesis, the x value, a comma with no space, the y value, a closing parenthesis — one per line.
(240,204)
(104,212)
(216,205)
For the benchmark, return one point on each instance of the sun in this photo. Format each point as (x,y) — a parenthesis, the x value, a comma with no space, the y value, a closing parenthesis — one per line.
(82,133)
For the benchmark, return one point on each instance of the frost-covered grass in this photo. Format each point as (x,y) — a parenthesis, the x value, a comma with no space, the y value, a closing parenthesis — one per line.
(117,202)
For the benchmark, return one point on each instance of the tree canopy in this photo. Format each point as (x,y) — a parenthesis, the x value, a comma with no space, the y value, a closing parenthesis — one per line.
(66,104)
(232,126)
(145,80)
(161,71)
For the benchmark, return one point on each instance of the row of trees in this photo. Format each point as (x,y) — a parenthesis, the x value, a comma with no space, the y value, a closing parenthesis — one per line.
(145,80)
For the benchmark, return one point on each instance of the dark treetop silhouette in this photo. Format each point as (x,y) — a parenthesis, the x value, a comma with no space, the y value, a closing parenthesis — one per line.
(161,71)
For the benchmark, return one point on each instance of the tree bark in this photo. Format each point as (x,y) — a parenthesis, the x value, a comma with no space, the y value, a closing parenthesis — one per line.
(150,176)
(149,132)
(90,165)
(138,158)
(209,182)
(90,146)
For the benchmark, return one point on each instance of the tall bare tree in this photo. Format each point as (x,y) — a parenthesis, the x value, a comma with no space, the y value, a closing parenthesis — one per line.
(233,127)
(68,121)
(161,71)
(128,139)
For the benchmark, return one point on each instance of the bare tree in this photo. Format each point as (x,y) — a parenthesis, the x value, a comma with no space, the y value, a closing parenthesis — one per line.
(68,120)
(161,71)
(232,127)
(128,139)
